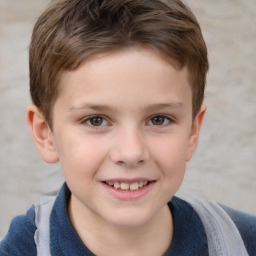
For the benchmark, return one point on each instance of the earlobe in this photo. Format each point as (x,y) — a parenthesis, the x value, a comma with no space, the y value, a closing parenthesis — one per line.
(195,130)
(42,134)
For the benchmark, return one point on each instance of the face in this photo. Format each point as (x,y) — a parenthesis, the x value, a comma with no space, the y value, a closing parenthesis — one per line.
(123,131)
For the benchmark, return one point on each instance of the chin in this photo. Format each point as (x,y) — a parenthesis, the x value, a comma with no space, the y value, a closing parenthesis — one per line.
(129,218)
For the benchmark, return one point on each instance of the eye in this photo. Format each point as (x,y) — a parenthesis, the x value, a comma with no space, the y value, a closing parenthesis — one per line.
(160,120)
(95,121)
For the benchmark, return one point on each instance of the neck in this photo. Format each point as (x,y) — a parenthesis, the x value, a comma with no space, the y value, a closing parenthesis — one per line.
(106,239)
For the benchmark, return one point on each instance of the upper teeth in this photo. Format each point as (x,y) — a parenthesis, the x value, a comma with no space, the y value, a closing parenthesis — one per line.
(126,186)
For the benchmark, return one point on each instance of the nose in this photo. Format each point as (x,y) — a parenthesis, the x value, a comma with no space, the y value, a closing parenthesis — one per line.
(129,149)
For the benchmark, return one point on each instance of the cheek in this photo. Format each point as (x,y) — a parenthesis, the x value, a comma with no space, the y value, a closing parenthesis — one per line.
(170,157)
(171,152)
(80,156)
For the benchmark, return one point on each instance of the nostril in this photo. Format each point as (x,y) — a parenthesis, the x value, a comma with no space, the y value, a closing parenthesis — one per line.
(120,162)
(135,163)
(141,162)
(128,157)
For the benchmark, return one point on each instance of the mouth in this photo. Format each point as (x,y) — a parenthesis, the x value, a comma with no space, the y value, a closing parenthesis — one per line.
(128,186)
(129,189)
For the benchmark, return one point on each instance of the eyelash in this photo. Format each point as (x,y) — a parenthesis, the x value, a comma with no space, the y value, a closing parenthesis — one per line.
(103,121)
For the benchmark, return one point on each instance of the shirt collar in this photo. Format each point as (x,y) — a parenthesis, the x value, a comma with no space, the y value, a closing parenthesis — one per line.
(189,237)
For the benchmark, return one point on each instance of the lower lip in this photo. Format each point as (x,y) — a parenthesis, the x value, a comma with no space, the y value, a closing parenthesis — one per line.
(129,194)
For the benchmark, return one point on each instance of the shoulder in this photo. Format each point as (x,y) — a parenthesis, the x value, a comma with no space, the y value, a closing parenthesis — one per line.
(189,236)
(224,221)
(20,237)
(246,224)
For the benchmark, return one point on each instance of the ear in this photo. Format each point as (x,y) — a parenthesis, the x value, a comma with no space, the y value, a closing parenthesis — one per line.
(41,134)
(194,135)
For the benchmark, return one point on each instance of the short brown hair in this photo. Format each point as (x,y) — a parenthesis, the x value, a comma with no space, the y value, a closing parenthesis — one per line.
(70,31)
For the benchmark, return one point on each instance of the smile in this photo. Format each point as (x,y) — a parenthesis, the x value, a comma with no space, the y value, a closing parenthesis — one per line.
(127,186)
(128,190)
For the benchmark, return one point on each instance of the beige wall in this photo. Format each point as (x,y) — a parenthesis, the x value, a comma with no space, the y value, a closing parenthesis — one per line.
(224,165)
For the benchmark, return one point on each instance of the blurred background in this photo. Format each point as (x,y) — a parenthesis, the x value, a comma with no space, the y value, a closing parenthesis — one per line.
(224,166)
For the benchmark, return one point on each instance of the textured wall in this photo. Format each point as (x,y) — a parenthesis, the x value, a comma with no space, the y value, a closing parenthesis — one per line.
(223,167)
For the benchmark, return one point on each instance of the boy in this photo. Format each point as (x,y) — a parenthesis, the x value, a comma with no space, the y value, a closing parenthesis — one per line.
(117,90)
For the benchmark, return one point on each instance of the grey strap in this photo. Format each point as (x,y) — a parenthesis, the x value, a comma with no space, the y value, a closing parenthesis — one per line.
(223,236)
(42,219)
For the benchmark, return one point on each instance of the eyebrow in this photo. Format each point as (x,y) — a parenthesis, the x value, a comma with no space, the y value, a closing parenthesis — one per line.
(160,106)
(96,107)
(153,107)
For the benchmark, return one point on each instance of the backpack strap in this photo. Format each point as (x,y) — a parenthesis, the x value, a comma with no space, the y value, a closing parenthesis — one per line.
(43,209)
(223,236)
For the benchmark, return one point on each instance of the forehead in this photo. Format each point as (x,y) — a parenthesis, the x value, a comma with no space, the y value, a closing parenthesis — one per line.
(121,77)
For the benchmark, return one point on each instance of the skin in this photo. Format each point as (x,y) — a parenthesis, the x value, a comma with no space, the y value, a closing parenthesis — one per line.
(143,130)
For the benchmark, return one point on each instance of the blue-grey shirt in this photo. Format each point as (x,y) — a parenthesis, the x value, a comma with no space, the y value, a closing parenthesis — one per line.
(189,235)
